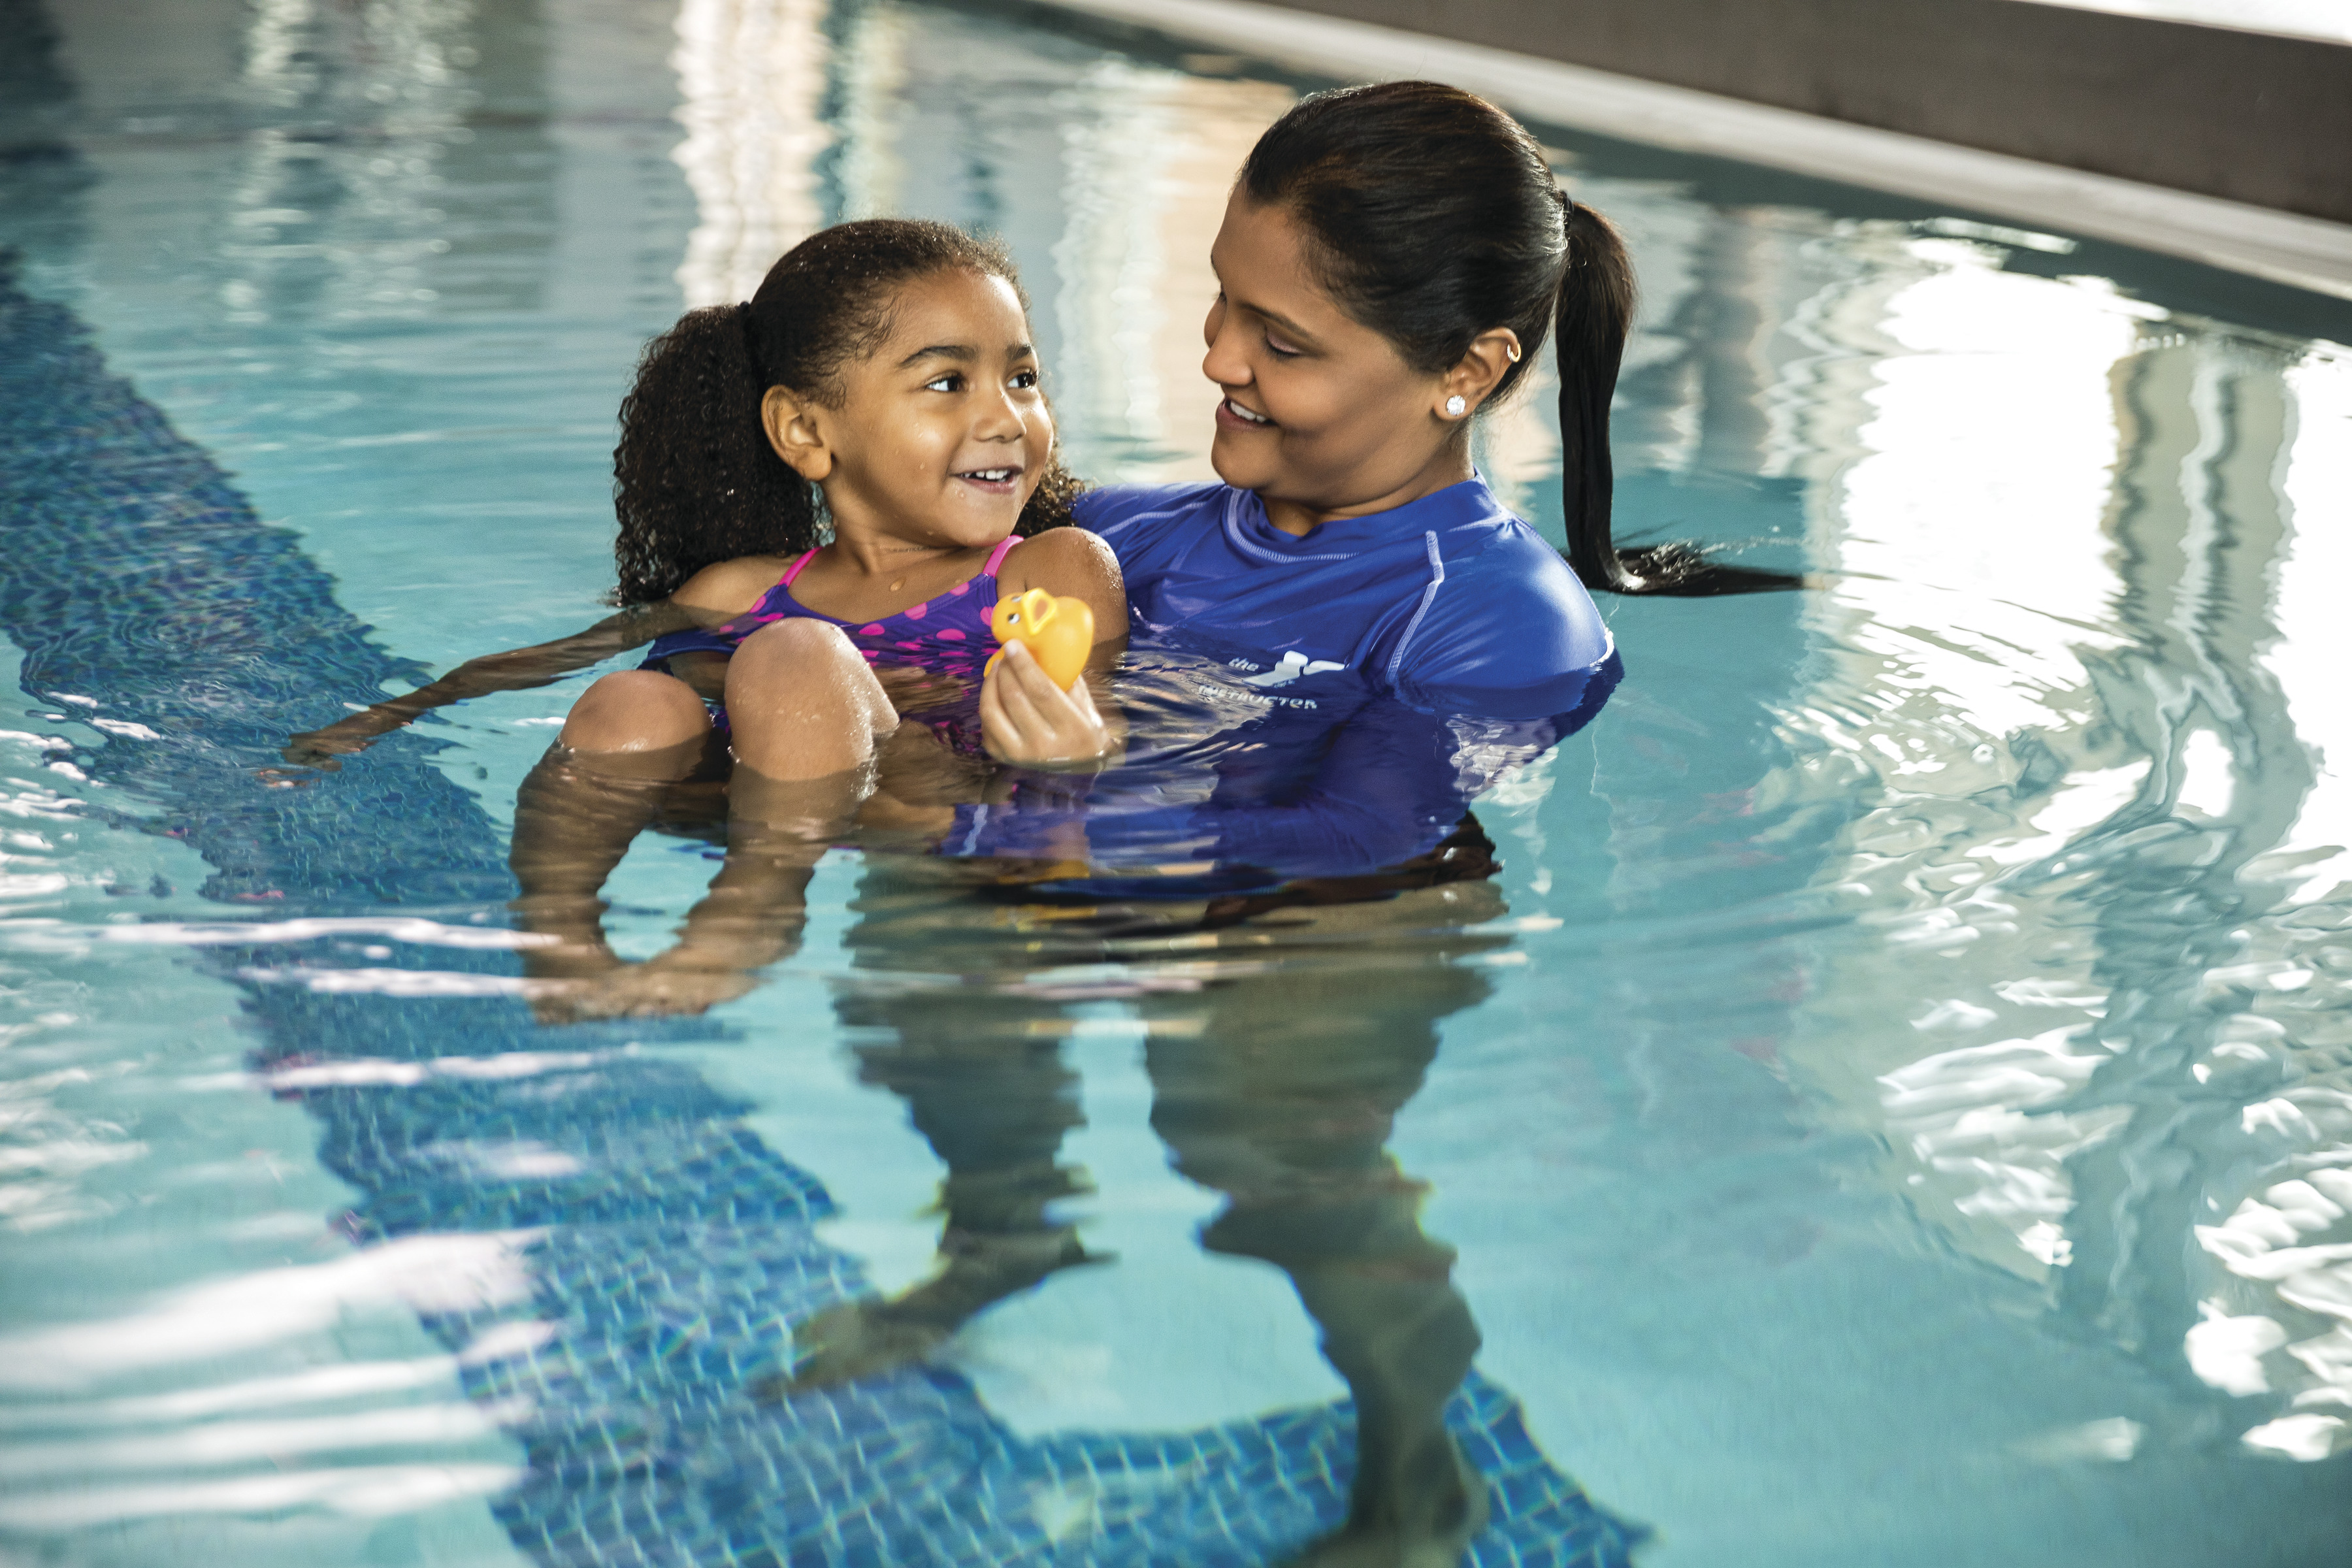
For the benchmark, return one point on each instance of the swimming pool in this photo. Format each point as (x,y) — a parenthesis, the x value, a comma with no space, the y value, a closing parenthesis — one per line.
(1891,1106)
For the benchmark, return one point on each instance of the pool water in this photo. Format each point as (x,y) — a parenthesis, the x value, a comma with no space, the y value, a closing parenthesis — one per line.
(1893,1104)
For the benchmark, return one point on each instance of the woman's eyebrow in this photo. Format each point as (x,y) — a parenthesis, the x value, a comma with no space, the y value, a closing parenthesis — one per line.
(1277,319)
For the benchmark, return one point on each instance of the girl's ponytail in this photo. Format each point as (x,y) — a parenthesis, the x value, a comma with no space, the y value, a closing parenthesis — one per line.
(696,482)
(1595,313)
(696,479)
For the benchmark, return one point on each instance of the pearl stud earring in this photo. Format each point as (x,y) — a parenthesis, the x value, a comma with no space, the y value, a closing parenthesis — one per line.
(1455,407)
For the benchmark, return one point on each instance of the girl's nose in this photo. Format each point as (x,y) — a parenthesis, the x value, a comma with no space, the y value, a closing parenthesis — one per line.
(1225,364)
(1001,418)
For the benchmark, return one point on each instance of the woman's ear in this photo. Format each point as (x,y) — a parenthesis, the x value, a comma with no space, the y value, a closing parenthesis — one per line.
(1474,376)
(796,429)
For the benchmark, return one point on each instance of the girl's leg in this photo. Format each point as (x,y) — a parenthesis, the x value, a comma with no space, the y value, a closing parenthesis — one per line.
(991,1096)
(806,710)
(807,717)
(628,739)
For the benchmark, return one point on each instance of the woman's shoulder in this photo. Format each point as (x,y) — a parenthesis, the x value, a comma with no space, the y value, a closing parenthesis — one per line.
(1509,632)
(1114,510)
(1517,582)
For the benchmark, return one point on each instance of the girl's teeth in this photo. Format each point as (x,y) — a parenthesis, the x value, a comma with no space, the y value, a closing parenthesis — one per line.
(1253,418)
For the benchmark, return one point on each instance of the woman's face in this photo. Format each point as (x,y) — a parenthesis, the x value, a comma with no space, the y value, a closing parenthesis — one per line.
(940,433)
(1321,416)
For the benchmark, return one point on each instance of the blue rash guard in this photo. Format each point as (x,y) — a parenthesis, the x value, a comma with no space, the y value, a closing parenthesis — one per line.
(1313,707)
(1449,604)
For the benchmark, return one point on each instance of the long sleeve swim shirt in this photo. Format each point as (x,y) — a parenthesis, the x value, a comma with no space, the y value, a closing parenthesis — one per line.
(1448,604)
(1319,706)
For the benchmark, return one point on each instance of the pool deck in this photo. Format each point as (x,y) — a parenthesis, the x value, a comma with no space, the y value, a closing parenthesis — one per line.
(2286,247)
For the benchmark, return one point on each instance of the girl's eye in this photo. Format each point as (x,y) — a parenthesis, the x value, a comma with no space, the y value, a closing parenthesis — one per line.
(1025,379)
(1280,349)
(952,382)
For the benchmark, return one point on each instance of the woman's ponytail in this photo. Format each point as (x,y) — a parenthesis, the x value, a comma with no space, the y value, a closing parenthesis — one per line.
(1595,313)
(696,482)
(1436,217)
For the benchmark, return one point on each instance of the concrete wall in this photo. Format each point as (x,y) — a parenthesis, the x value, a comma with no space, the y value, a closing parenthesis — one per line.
(2247,116)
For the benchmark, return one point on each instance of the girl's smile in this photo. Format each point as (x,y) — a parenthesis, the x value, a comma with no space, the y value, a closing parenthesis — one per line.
(936,438)
(993,481)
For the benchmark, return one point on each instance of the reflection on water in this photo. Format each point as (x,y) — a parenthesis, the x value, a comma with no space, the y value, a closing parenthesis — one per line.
(1897,1075)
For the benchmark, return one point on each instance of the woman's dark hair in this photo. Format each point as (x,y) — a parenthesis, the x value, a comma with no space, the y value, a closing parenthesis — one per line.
(1432,216)
(695,480)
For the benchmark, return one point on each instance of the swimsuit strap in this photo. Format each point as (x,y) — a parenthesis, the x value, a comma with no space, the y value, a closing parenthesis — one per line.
(995,557)
(793,570)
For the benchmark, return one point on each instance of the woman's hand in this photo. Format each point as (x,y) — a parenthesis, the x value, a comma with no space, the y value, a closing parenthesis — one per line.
(1026,719)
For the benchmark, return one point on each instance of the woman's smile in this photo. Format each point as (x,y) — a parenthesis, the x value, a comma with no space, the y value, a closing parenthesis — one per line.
(1232,415)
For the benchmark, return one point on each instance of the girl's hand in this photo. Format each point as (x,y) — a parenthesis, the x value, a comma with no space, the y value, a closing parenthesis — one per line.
(1025,719)
(345,737)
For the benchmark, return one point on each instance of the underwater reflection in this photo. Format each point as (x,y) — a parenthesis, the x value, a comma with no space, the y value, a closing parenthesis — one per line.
(1285,1031)
(1290,905)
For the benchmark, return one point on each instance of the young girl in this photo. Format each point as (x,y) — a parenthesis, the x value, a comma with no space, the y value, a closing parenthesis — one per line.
(886,366)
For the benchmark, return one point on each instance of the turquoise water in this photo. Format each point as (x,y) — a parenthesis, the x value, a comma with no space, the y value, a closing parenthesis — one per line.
(1890,1106)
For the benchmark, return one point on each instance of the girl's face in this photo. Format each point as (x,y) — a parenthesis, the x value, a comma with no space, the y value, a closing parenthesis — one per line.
(940,435)
(1321,416)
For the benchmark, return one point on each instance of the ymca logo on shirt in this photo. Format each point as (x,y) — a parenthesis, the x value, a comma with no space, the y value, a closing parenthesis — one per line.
(1294,665)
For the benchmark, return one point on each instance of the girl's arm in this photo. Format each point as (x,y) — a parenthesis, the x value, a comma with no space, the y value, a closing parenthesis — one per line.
(1071,564)
(712,596)
(1024,717)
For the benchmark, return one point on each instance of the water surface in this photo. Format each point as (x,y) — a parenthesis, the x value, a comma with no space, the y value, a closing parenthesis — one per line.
(1890,1104)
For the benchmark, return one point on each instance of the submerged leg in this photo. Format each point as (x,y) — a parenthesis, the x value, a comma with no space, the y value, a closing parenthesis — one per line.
(991,1094)
(629,738)
(806,716)
(1279,1090)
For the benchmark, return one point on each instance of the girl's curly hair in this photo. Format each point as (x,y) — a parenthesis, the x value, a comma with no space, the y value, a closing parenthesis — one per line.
(695,480)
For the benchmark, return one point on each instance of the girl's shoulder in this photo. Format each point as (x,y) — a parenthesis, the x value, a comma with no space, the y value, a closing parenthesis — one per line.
(1057,551)
(733,586)
(1067,561)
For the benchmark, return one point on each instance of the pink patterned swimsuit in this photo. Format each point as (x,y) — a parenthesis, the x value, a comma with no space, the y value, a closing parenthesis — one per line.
(944,635)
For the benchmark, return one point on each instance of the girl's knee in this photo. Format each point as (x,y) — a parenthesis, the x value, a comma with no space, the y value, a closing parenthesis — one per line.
(636,711)
(802,665)
(801,645)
